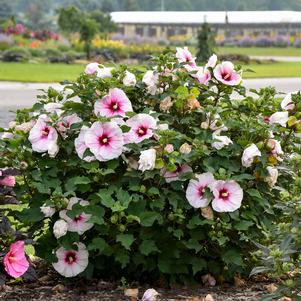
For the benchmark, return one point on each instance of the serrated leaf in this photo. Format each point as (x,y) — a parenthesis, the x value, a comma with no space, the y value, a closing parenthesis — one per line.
(126,240)
(147,247)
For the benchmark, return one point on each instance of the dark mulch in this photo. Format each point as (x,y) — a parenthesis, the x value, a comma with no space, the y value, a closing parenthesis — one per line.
(52,288)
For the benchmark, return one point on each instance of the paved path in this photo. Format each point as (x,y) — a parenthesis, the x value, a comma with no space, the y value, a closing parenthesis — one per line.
(18,95)
(277,58)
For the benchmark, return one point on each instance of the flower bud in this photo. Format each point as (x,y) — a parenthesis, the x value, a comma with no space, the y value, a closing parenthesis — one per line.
(60,228)
(185,148)
(169,148)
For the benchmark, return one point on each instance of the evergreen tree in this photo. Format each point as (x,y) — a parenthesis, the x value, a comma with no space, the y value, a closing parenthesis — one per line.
(206,43)
(130,5)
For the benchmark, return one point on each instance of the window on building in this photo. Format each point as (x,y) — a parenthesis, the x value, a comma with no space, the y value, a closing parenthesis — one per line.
(152,31)
(170,32)
(139,31)
(121,30)
(183,31)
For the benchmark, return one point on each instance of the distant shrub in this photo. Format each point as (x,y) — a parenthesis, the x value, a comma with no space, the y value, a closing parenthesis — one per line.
(16,54)
(54,56)
(241,58)
(35,52)
(70,56)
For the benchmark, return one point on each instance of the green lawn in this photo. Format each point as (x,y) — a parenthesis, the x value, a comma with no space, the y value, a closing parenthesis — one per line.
(27,72)
(283,69)
(260,51)
(30,72)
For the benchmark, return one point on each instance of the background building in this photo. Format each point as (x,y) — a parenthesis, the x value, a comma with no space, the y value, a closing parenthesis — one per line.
(166,24)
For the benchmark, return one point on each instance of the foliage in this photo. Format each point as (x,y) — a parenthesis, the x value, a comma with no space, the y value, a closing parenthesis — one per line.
(206,42)
(16,54)
(143,226)
(280,253)
(72,20)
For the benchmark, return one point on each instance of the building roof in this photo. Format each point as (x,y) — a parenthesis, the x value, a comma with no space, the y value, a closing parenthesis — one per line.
(212,17)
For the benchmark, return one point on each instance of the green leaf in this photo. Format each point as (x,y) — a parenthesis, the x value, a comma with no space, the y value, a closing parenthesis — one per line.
(198,264)
(232,256)
(31,215)
(126,240)
(98,244)
(106,198)
(122,258)
(193,244)
(73,182)
(243,225)
(147,247)
(147,218)
(254,193)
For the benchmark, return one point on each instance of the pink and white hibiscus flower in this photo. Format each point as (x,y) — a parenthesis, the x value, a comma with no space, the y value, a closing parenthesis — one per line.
(203,75)
(249,154)
(226,74)
(184,56)
(43,138)
(71,262)
(211,61)
(9,181)
(171,176)
(279,118)
(142,126)
(220,142)
(80,145)
(129,79)
(15,261)
(196,189)
(287,103)
(228,196)
(54,108)
(116,103)
(275,149)
(80,223)
(66,122)
(105,72)
(151,79)
(92,68)
(105,140)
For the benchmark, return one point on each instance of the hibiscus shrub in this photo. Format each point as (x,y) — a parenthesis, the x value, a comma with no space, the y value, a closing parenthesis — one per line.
(169,172)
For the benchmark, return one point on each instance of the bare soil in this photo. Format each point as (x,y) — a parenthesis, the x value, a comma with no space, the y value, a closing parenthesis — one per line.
(51,287)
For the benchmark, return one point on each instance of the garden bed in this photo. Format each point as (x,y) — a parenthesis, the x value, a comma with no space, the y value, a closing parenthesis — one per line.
(50,288)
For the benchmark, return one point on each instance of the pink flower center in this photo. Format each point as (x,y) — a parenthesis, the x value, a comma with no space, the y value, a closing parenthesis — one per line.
(224,194)
(70,257)
(226,75)
(45,132)
(78,218)
(114,106)
(104,140)
(202,191)
(141,131)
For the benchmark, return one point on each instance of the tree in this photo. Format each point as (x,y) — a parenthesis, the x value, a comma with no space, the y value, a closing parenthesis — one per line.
(6,10)
(88,29)
(107,6)
(69,19)
(72,20)
(130,5)
(104,23)
(206,43)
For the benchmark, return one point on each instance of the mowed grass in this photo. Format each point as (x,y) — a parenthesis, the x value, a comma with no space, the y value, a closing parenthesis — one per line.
(261,51)
(39,73)
(281,69)
(28,72)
